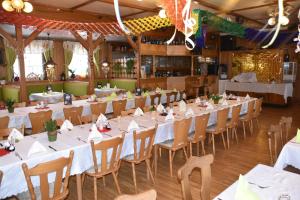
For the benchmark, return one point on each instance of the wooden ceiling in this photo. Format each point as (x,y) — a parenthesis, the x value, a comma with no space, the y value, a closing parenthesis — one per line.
(254,12)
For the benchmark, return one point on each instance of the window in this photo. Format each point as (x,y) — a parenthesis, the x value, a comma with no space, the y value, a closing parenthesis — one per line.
(33,64)
(79,63)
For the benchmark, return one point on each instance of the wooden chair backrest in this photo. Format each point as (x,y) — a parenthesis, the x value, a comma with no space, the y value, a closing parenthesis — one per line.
(38,120)
(200,127)
(83,97)
(20,105)
(87,119)
(42,170)
(258,104)
(119,106)
(274,141)
(147,195)
(33,103)
(146,140)
(153,97)
(235,115)
(98,108)
(115,146)
(147,108)
(286,125)
(1,175)
(181,131)
(4,121)
(127,112)
(73,114)
(140,102)
(250,110)
(221,120)
(169,95)
(4,133)
(184,173)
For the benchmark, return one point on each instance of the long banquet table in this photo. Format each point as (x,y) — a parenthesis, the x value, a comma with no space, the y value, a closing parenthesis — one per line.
(268,183)
(14,182)
(20,115)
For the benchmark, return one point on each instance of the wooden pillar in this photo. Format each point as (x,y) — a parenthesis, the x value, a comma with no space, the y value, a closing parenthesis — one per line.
(20,53)
(138,60)
(91,63)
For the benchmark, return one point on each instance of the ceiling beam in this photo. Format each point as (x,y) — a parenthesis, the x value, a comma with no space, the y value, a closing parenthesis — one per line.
(82,4)
(129,5)
(141,12)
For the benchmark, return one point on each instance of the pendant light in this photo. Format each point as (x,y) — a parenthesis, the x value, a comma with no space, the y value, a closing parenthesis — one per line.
(50,63)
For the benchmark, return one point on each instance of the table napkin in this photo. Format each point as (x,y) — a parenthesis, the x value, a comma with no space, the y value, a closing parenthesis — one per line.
(16,134)
(115,87)
(197,101)
(138,112)
(224,95)
(95,135)
(145,94)
(67,125)
(102,120)
(174,90)
(157,90)
(160,108)
(170,115)
(298,136)
(129,95)
(247,97)
(189,112)
(132,126)
(36,147)
(113,95)
(182,106)
(238,99)
(209,106)
(243,192)
(225,103)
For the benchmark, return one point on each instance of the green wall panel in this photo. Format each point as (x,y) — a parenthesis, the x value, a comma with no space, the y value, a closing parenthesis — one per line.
(11,93)
(76,88)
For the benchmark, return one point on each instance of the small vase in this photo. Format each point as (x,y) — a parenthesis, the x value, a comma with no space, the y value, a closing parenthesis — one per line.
(10,109)
(52,136)
(216,101)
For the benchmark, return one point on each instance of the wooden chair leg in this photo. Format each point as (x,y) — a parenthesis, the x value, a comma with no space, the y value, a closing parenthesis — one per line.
(235,133)
(198,149)
(134,177)
(147,172)
(202,145)
(170,163)
(191,149)
(257,123)
(95,188)
(149,169)
(244,128)
(224,143)
(103,180)
(227,133)
(116,182)
(213,142)
(159,151)
(185,154)
(83,178)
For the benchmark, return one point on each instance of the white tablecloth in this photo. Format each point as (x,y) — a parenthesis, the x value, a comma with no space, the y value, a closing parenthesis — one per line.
(53,97)
(284,89)
(106,91)
(14,182)
(279,182)
(289,155)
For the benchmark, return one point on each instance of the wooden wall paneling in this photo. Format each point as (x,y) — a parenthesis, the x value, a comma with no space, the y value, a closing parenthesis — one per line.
(138,60)
(153,83)
(226,58)
(58,57)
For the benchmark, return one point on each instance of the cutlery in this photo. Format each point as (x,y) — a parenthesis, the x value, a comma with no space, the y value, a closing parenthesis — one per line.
(52,148)
(79,139)
(261,187)
(1,145)
(17,154)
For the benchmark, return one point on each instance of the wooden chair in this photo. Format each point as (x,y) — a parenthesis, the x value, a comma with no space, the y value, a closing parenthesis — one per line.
(219,127)
(38,120)
(257,110)
(247,118)
(233,123)
(180,141)
(200,133)
(87,119)
(20,105)
(286,125)
(155,96)
(33,103)
(169,95)
(42,170)
(181,95)
(83,97)
(107,166)
(274,141)
(147,108)
(145,140)
(1,175)
(98,108)
(127,112)
(185,172)
(147,195)
(4,121)
(140,102)
(72,114)
(4,133)
(118,107)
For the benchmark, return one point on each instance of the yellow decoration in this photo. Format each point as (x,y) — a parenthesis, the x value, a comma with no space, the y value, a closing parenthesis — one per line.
(138,26)
(266,64)
(195,15)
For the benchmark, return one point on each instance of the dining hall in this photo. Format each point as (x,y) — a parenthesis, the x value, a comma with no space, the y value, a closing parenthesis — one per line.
(149,99)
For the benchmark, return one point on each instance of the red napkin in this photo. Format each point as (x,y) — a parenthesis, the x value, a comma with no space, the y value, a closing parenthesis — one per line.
(3,152)
(103,130)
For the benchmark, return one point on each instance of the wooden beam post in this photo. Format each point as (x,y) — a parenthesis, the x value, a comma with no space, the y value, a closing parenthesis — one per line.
(20,53)
(138,60)
(91,62)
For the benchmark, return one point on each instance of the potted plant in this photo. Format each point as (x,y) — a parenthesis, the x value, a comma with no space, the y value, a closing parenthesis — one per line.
(216,98)
(10,105)
(129,66)
(51,128)
(73,76)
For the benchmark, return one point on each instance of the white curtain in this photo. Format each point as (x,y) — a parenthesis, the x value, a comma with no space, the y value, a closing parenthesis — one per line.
(75,47)
(38,46)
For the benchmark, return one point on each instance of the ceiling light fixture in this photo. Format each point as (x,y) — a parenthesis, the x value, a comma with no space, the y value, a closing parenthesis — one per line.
(272,21)
(17,5)
(162,14)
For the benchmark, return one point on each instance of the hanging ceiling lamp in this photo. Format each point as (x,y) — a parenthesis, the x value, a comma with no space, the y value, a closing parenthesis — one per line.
(17,5)
(50,63)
